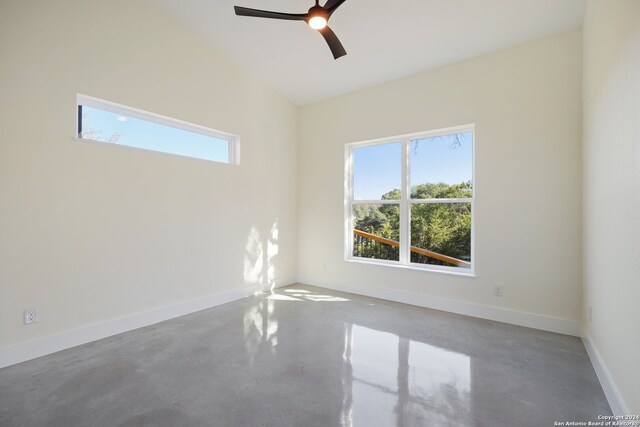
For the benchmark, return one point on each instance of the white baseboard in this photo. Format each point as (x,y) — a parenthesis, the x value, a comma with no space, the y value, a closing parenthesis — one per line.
(520,318)
(74,337)
(279,283)
(67,339)
(618,406)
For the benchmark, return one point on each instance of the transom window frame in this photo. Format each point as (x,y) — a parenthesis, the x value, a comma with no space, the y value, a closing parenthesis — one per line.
(405,201)
(112,107)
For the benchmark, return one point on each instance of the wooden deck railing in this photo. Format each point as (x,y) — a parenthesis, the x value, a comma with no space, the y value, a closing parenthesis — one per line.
(444,258)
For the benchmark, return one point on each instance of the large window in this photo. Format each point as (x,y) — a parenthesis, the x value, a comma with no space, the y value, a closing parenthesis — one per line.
(409,200)
(107,122)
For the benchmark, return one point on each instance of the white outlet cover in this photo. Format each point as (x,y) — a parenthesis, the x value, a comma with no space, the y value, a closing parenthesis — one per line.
(30,316)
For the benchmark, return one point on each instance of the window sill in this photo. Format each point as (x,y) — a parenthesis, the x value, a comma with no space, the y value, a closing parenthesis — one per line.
(146,150)
(429,269)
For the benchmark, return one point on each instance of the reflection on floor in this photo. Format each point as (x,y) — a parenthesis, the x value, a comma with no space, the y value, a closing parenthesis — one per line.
(305,356)
(429,386)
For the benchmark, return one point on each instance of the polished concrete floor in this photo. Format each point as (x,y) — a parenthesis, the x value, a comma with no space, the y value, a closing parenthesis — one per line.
(306,356)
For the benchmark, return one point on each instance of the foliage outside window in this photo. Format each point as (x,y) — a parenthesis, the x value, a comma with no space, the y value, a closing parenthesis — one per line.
(410,200)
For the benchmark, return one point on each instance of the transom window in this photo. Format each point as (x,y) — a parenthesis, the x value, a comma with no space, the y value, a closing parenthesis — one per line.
(108,122)
(410,200)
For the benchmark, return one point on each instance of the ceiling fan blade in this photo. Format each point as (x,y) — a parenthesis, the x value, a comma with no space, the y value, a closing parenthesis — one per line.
(334,44)
(332,5)
(256,13)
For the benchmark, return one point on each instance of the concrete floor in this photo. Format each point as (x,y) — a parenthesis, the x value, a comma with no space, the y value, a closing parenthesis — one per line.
(307,356)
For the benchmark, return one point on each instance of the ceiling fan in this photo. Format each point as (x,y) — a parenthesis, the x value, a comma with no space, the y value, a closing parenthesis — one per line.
(317,18)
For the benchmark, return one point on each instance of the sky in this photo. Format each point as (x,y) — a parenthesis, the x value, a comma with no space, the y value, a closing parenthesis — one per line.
(377,168)
(152,136)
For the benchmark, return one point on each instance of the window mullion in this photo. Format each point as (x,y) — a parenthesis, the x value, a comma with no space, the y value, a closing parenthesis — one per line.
(376,202)
(404,205)
(349,204)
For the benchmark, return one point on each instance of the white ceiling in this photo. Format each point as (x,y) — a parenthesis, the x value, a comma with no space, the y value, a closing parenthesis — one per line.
(384,40)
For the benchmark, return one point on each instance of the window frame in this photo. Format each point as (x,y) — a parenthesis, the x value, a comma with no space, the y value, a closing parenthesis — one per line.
(233,141)
(405,201)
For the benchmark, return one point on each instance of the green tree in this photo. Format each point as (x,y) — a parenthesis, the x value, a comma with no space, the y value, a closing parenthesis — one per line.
(442,191)
(444,228)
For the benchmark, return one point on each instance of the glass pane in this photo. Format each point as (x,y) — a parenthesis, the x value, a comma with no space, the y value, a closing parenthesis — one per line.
(442,167)
(104,126)
(376,231)
(376,172)
(441,234)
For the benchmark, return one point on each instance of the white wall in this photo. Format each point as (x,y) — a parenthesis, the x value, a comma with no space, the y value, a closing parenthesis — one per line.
(92,232)
(612,190)
(526,104)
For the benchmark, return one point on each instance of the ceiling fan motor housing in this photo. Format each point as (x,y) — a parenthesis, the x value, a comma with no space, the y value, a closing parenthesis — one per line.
(318,11)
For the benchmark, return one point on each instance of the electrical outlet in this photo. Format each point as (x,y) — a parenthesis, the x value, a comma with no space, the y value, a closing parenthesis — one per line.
(30,316)
(590,314)
(498,291)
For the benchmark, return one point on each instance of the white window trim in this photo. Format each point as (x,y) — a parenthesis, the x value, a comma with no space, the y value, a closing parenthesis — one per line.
(112,107)
(405,201)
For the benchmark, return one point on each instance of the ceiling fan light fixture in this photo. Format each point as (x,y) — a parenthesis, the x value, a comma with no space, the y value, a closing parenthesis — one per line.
(318,22)
(317,18)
